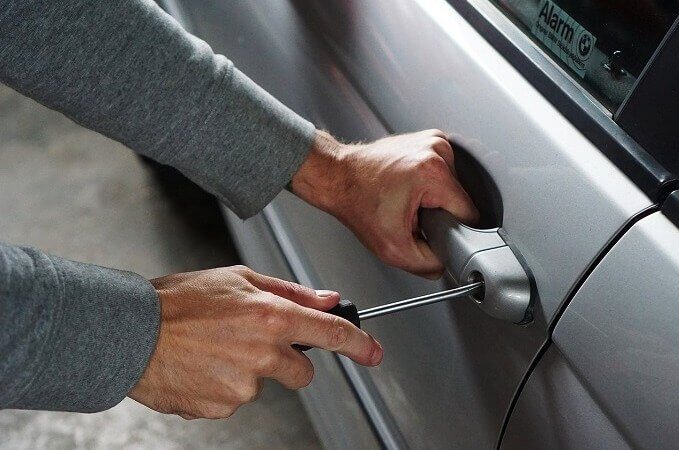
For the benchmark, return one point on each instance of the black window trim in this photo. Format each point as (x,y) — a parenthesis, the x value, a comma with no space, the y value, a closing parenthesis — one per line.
(587,115)
(651,110)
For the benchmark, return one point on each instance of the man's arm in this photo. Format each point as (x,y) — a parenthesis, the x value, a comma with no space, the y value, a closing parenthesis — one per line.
(128,70)
(73,337)
(78,337)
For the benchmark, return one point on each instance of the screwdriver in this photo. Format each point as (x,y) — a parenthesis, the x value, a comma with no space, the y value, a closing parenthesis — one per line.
(348,310)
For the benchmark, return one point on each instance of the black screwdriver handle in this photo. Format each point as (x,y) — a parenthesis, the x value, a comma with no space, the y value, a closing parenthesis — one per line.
(344,309)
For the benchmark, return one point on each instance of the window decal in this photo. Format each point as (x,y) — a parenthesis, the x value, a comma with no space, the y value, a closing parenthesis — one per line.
(565,37)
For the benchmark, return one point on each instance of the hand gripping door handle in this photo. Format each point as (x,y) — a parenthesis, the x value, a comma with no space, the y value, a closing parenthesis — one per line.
(471,254)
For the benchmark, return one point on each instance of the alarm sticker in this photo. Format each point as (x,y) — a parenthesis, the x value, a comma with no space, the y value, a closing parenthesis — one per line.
(563,36)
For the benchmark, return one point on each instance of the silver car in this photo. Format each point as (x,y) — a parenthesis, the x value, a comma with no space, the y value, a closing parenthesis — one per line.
(565,119)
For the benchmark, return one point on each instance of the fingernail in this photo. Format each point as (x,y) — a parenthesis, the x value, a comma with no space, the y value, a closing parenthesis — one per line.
(325,293)
(378,354)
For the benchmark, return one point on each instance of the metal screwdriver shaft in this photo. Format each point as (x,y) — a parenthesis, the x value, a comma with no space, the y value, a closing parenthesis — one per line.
(348,311)
(416,302)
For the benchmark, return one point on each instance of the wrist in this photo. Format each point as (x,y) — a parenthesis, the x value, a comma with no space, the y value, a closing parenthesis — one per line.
(320,179)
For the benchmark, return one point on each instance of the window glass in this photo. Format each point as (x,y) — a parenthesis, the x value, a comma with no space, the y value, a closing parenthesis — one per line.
(604,44)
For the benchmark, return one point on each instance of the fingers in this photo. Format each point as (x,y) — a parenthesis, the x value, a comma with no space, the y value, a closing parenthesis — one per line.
(441,145)
(304,322)
(424,262)
(452,196)
(434,132)
(333,333)
(443,148)
(415,256)
(443,190)
(322,299)
(455,200)
(293,369)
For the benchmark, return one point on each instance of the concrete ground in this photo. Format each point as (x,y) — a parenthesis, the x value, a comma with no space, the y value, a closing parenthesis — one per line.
(79,195)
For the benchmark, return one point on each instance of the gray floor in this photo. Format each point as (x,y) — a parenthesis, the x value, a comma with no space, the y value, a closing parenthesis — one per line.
(79,195)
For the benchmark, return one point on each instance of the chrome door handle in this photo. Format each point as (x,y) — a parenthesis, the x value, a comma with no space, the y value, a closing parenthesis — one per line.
(470,254)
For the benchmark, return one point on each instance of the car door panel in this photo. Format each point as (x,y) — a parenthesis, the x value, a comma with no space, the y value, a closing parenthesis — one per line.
(620,334)
(609,378)
(450,371)
(420,65)
(556,410)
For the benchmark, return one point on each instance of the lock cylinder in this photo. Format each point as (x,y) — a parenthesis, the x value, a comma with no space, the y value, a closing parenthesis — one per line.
(471,254)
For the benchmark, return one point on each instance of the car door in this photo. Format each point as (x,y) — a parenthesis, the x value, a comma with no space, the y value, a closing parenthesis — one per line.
(452,370)
(609,375)
(609,378)
(361,69)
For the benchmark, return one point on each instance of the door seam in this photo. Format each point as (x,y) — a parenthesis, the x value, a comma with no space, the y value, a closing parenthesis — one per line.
(562,309)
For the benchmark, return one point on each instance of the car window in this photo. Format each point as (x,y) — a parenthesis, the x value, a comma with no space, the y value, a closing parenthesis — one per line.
(603,44)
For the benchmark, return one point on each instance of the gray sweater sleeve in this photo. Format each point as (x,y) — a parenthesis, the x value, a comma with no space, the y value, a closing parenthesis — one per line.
(126,69)
(74,336)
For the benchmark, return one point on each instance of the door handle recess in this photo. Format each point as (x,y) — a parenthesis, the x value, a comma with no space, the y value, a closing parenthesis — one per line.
(470,254)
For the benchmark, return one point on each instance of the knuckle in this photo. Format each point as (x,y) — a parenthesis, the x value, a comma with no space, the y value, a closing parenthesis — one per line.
(248,392)
(292,289)
(369,353)
(433,132)
(244,272)
(437,169)
(271,318)
(389,253)
(337,333)
(437,142)
(241,270)
(269,364)
(429,162)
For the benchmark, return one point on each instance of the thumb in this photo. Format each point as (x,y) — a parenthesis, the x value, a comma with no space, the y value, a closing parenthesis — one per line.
(322,300)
